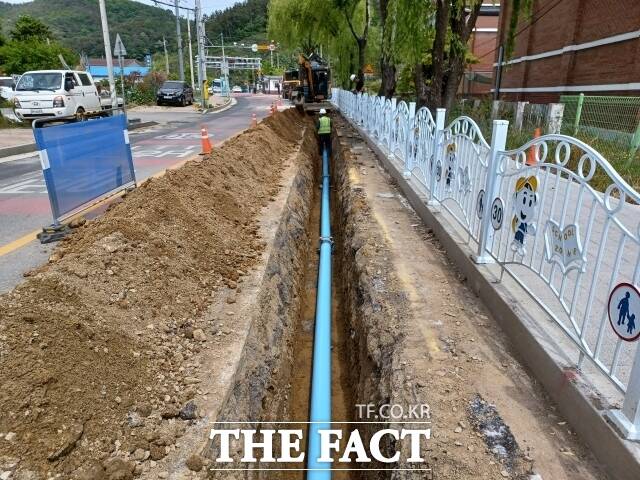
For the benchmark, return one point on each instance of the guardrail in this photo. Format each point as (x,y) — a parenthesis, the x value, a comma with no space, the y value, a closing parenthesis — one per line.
(532,211)
(83,160)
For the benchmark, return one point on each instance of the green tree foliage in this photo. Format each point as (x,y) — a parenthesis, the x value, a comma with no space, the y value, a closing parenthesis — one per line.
(18,57)
(28,28)
(519,8)
(32,47)
(2,39)
(243,21)
(339,26)
(76,23)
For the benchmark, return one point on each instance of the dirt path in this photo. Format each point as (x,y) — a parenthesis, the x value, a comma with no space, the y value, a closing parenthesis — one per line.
(461,361)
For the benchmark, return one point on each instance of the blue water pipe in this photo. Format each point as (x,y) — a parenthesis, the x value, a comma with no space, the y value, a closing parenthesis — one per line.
(320,411)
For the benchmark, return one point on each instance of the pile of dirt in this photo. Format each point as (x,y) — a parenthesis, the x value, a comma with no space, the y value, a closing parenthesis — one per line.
(98,348)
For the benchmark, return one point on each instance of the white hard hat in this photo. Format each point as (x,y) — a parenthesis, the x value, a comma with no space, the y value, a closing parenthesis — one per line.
(353,77)
(323,111)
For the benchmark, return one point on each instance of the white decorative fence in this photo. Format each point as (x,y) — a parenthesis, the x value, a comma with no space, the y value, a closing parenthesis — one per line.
(532,211)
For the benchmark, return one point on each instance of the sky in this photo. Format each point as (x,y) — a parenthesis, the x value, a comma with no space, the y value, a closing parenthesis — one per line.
(207,5)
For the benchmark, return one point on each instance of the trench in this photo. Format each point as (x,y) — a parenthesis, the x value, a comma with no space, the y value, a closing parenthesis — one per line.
(273,381)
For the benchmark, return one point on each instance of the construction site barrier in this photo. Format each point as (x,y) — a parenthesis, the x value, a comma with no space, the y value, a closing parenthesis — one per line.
(83,161)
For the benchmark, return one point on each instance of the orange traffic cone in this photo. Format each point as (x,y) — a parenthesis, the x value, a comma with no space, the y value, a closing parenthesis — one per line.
(254,120)
(206,143)
(273,108)
(531,154)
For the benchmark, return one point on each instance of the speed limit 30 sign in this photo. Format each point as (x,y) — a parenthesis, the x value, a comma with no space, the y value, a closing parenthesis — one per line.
(497,213)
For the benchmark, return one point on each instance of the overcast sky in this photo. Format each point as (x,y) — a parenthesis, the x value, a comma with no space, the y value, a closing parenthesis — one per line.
(207,5)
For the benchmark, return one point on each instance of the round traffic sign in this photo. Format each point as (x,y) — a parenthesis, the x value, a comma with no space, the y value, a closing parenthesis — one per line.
(254,47)
(480,204)
(497,213)
(272,47)
(623,309)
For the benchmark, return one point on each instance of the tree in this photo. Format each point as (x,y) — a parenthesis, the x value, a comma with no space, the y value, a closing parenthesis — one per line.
(437,81)
(306,25)
(19,57)
(2,39)
(32,47)
(349,9)
(29,28)
(387,65)
(303,24)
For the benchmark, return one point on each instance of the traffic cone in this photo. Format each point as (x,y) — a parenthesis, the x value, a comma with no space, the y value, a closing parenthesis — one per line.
(273,108)
(254,120)
(531,154)
(206,143)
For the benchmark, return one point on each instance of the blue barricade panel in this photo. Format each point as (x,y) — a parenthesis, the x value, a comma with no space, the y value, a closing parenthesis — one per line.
(84,161)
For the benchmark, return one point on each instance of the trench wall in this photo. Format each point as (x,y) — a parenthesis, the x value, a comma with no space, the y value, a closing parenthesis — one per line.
(260,388)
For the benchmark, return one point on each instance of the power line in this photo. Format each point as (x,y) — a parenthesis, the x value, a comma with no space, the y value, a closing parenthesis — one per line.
(156,2)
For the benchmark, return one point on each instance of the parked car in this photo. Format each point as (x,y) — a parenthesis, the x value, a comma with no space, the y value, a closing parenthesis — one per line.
(175,92)
(7,86)
(236,89)
(55,93)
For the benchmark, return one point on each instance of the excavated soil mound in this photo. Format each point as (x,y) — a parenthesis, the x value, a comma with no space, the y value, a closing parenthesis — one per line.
(98,346)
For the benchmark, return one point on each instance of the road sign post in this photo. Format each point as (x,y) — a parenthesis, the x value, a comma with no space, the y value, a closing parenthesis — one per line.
(120,52)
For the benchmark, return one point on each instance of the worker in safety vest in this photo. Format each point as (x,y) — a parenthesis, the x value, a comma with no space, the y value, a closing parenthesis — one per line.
(324,131)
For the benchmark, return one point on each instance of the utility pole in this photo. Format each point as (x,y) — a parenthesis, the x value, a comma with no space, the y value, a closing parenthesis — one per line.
(202,65)
(179,36)
(225,67)
(107,53)
(193,83)
(166,55)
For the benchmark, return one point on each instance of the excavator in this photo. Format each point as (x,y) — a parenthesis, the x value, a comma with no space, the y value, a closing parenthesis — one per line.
(314,88)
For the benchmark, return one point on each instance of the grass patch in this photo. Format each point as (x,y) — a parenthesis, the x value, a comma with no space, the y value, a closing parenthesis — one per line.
(616,153)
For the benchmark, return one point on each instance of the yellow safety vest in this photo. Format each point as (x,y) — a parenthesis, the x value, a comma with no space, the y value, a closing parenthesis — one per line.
(325,126)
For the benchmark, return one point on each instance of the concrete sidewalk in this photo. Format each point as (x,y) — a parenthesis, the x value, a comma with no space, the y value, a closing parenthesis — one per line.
(582,396)
(11,137)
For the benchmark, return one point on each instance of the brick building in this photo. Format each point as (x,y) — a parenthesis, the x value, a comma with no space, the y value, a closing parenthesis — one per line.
(478,77)
(571,47)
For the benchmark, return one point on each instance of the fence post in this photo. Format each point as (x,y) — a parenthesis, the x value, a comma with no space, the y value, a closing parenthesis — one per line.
(519,117)
(628,418)
(555,112)
(635,143)
(441,113)
(498,144)
(576,123)
(408,153)
(495,109)
(394,102)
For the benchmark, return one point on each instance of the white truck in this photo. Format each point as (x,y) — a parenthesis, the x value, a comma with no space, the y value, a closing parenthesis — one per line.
(7,85)
(55,93)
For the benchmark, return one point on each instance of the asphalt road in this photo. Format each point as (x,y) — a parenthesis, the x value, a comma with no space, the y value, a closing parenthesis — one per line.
(24,204)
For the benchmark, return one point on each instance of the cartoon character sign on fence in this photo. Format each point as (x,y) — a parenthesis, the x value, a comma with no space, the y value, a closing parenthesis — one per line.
(525,200)
(450,166)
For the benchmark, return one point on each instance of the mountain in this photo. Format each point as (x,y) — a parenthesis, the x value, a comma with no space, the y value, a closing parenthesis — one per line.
(245,21)
(76,24)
